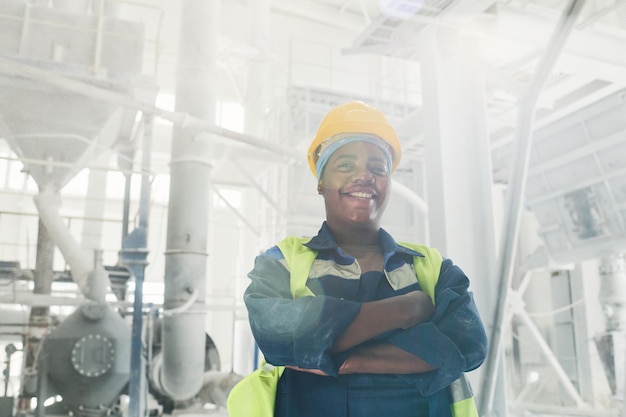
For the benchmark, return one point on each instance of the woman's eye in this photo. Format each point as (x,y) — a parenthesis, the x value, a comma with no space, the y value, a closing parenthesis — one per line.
(379,170)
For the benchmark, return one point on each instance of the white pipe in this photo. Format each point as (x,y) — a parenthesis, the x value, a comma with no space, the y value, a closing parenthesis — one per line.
(182,372)
(38,300)
(91,282)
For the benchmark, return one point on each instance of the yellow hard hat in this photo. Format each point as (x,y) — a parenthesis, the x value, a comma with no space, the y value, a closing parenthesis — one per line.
(355,117)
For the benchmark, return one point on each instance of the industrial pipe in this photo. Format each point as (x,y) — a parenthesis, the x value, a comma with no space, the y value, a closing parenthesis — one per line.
(184,336)
(92,283)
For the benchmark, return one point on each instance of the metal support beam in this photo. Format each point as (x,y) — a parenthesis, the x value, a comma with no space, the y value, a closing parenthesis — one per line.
(260,189)
(515,197)
(234,209)
(549,355)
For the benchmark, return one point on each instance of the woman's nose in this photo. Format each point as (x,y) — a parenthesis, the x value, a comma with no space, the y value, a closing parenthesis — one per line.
(365,177)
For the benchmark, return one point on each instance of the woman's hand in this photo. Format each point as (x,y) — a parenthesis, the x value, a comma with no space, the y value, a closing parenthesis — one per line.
(384,358)
(311,371)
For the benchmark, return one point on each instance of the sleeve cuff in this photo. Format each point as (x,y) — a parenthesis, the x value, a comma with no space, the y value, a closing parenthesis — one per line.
(427,342)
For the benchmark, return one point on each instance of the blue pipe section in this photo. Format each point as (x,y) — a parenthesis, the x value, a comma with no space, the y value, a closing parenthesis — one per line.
(134,255)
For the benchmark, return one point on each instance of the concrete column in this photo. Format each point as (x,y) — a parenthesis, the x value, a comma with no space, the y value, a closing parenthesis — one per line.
(458,166)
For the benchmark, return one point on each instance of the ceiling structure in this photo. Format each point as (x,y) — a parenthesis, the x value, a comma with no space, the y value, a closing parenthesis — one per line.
(512,36)
(577,182)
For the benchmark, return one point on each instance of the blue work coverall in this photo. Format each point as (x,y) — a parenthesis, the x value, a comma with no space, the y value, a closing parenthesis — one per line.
(301,332)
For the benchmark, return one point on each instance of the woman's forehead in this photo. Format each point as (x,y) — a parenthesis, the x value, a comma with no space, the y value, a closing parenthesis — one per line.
(359,147)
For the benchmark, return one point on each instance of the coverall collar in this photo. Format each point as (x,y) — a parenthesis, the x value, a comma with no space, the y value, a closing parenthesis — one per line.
(324,240)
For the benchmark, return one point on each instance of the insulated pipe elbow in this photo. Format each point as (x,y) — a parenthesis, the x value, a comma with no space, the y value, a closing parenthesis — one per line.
(182,370)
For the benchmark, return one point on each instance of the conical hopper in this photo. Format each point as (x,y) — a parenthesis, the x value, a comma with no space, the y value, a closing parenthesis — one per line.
(54,132)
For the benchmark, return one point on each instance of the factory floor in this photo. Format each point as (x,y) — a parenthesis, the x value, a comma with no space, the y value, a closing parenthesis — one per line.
(200,413)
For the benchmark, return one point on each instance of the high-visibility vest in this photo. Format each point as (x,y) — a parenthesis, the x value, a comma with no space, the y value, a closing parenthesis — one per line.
(255,394)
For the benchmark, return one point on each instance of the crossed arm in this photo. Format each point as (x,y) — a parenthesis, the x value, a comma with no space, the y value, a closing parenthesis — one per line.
(311,333)
(375,318)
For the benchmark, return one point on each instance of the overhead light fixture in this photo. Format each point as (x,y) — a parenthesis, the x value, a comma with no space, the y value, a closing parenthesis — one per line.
(400,9)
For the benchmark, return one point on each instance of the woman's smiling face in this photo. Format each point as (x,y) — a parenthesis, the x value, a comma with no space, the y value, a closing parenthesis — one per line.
(356,185)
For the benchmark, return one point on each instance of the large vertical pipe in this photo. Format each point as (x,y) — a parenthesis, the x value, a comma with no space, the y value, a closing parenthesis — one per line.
(515,197)
(187,230)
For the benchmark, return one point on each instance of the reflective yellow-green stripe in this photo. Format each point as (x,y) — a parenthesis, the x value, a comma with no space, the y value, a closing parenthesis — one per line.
(464,408)
(255,395)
